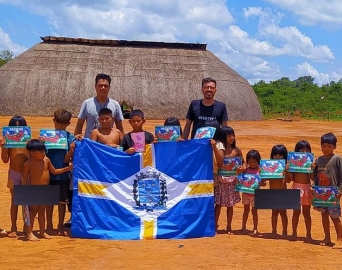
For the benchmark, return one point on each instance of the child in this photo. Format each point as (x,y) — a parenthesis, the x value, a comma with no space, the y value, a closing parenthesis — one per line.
(328,172)
(253,161)
(17,158)
(173,121)
(279,152)
(225,194)
(302,181)
(136,121)
(36,172)
(106,134)
(61,121)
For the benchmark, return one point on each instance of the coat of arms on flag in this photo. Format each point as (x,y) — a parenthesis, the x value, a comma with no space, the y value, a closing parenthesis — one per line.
(165,192)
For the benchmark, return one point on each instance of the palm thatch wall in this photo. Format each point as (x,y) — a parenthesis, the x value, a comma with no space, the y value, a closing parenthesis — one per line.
(159,78)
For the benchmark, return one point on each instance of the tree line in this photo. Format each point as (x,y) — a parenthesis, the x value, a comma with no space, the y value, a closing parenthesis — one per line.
(300,97)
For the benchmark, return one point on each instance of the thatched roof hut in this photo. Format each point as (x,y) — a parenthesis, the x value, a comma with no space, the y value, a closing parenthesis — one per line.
(159,78)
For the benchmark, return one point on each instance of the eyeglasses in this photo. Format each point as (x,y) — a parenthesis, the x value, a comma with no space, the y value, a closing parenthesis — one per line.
(209,88)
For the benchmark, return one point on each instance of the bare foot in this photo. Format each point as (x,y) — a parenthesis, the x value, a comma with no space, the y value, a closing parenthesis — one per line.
(32,237)
(50,231)
(46,236)
(308,239)
(294,237)
(61,232)
(338,245)
(255,232)
(325,242)
(12,235)
(284,234)
(243,231)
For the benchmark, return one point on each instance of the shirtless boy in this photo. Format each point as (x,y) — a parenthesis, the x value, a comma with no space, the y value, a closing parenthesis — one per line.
(37,172)
(16,158)
(106,134)
(302,181)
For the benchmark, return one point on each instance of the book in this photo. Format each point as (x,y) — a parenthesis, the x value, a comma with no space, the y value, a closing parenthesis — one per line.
(230,165)
(205,133)
(325,196)
(247,183)
(167,133)
(300,162)
(54,139)
(16,136)
(138,141)
(272,168)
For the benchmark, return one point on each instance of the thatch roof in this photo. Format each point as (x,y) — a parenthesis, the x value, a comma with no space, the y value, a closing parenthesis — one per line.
(159,78)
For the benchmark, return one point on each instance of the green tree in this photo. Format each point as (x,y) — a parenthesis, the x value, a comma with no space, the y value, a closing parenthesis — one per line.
(5,56)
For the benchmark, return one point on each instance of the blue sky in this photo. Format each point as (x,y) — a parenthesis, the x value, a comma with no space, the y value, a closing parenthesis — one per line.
(260,39)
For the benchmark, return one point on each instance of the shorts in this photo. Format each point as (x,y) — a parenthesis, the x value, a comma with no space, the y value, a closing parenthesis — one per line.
(14,179)
(248,199)
(305,193)
(334,212)
(63,189)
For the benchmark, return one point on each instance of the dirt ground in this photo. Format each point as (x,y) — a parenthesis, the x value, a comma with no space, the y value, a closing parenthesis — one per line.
(220,252)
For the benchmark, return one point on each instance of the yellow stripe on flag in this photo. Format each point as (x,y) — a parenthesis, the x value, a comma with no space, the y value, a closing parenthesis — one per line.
(91,188)
(147,156)
(201,188)
(148,229)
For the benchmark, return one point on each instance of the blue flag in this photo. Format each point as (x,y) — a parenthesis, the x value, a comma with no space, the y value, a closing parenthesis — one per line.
(165,192)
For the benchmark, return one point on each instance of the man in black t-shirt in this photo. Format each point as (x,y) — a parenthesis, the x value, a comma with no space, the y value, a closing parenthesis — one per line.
(206,109)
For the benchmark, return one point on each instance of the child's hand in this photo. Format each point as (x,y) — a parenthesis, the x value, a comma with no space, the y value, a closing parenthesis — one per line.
(72,146)
(313,165)
(240,170)
(180,139)
(287,166)
(263,183)
(130,150)
(155,139)
(212,142)
(70,167)
(78,137)
(2,142)
(113,145)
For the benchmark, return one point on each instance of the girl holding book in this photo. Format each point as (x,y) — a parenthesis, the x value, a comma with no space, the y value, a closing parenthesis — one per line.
(225,194)
(16,158)
(253,161)
(279,151)
(302,181)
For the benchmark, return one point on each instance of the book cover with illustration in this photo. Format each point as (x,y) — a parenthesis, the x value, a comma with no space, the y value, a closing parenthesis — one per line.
(325,196)
(205,133)
(16,136)
(167,133)
(300,162)
(272,168)
(230,165)
(54,139)
(138,141)
(247,183)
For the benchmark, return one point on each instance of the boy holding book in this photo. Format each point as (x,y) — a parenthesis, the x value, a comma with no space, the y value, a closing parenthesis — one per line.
(131,139)
(328,172)
(61,121)
(106,134)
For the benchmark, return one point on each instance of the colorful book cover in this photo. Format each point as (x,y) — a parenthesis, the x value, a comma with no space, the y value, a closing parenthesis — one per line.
(205,133)
(16,136)
(230,165)
(247,183)
(167,133)
(54,139)
(272,168)
(325,196)
(300,162)
(138,141)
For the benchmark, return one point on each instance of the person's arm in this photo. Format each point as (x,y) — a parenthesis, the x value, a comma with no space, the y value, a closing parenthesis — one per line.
(4,151)
(219,154)
(79,126)
(55,171)
(119,126)
(93,135)
(24,175)
(70,154)
(186,130)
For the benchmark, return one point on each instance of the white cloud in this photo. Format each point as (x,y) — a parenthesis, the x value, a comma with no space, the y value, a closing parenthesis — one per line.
(305,69)
(7,44)
(313,12)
